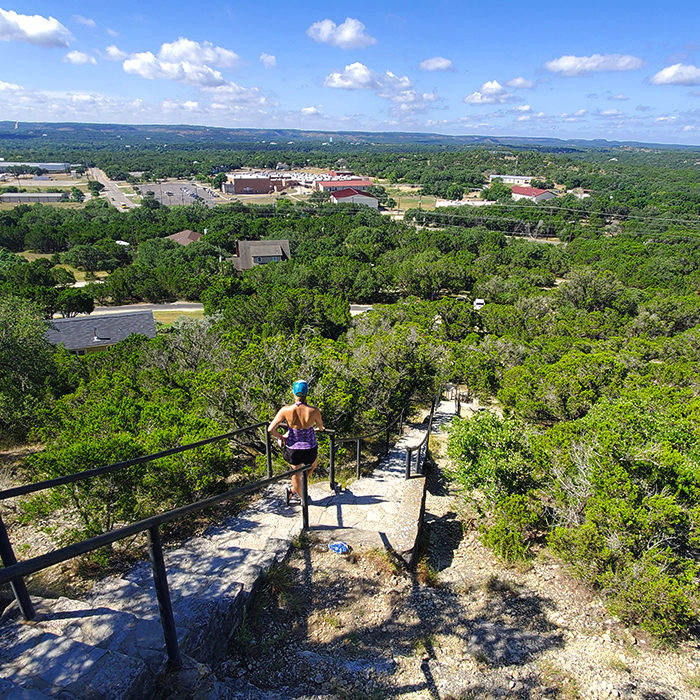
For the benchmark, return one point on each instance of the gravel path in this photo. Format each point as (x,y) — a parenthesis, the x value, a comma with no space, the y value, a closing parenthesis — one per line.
(461,625)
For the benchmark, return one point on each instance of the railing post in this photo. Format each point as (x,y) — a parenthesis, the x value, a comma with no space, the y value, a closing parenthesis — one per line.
(305,499)
(408,463)
(388,441)
(18,586)
(268,452)
(331,458)
(359,455)
(401,422)
(165,607)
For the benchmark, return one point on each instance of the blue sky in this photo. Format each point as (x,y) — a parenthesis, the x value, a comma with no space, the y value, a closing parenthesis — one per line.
(616,70)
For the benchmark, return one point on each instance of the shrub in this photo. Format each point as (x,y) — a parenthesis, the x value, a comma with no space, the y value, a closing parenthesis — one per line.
(516,521)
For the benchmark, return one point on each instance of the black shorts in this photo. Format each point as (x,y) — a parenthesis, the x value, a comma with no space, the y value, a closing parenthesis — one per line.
(299,457)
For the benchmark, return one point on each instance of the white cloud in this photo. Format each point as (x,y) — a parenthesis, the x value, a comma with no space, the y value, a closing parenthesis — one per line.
(388,86)
(111,32)
(78,58)
(520,83)
(84,20)
(148,66)
(35,29)
(310,111)
(522,108)
(573,116)
(436,63)
(187,51)
(491,93)
(348,35)
(9,87)
(608,113)
(677,74)
(268,60)
(583,65)
(112,53)
(620,97)
(356,76)
(231,94)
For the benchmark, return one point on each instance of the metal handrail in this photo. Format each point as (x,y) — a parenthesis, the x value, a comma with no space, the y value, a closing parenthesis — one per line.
(14,572)
(117,466)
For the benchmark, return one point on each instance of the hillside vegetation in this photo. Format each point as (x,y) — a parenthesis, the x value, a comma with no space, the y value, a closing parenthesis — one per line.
(589,349)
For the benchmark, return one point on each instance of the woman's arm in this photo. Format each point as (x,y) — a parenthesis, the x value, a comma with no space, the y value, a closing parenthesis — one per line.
(319,420)
(277,420)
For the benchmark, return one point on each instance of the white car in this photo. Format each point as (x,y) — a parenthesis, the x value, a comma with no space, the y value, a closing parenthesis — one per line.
(479,304)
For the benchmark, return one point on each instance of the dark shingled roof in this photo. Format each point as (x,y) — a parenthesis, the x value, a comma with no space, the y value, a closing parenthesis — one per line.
(185,237)
(247,250)
(81,333)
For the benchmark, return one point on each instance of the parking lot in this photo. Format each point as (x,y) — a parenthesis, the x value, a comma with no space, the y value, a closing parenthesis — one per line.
(175,192)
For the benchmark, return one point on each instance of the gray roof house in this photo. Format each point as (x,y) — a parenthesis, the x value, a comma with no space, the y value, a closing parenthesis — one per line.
(86,334)
(185,237)
(251,253)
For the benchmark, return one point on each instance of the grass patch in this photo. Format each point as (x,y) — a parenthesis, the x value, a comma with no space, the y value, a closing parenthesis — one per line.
(561,680)
(167,318)
(692,681)
(384,561)
(495,585)
(615,663)
(426,574)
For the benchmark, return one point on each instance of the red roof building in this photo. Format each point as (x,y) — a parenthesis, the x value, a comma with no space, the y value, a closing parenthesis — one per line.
(336,185)
(532,193)
(352,196)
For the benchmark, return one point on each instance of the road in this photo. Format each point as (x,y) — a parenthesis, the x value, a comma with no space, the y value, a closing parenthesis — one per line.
(187,306)
(113,192)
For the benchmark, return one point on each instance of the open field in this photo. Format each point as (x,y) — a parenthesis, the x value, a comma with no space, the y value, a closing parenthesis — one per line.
(169,317)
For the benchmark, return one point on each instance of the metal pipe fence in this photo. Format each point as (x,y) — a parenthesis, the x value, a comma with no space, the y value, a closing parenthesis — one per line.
(14,572)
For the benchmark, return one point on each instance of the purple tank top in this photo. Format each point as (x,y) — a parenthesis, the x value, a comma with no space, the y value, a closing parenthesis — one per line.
(301,438)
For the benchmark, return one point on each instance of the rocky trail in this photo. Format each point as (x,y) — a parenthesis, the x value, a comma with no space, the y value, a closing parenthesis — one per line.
(461,624)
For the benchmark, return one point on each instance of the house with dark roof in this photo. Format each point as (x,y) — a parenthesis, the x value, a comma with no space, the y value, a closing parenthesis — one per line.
(185,237)
(252,253)
(352,196)
(87,334)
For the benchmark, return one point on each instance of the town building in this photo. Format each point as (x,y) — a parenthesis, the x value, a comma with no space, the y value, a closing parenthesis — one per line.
(335,185)
(523,180)
(185,237)
(534,194)
(252,253)
(350,195)
(33,197)
(49,167)
(87,334)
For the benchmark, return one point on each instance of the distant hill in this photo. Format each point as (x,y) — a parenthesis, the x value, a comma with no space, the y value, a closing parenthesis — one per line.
(34,134)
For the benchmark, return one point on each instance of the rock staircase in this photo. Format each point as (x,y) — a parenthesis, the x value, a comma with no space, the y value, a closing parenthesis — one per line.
(110,645)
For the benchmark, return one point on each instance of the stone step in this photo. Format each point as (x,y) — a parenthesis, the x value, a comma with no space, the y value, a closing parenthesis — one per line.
(36,660)
(12,691)
(206,609)
(100,626)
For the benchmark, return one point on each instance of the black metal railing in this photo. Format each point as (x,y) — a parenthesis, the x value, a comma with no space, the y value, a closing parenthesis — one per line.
(14,572)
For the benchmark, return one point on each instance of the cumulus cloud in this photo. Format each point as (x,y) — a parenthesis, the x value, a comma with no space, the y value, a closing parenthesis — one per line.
(348,35)
(620,97)
(183,60)
(608,113)
(677,74)
(436,63)
(34,29)
(187,51)
(148,66)
(112,53)
(84,20)
(522,108)
(491,93)
(310,111)
(389,86)
(521,83)
(268,60)
(78,58)
(583,65)
(231,94)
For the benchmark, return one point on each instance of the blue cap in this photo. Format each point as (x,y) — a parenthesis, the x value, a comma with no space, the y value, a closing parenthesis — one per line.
(300,388)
